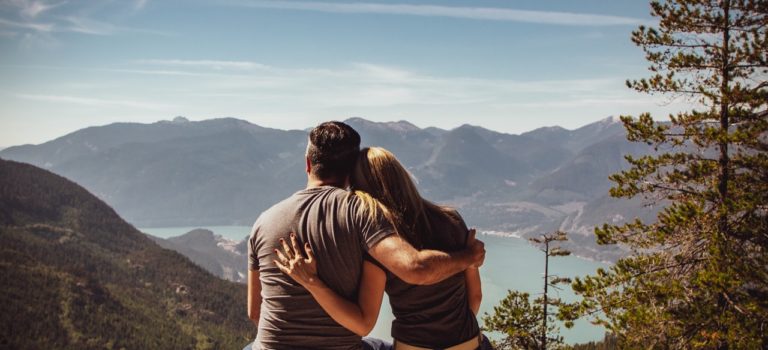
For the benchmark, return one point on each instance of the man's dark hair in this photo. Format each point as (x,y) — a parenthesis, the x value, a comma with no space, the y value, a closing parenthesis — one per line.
(333,149)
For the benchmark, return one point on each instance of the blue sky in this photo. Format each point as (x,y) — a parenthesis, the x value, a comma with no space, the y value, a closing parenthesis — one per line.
(510,66)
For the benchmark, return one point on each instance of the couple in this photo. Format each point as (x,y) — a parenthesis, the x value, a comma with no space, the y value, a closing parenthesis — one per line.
(320,260)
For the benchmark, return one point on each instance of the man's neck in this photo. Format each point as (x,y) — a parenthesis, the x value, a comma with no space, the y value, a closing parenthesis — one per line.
(315,182)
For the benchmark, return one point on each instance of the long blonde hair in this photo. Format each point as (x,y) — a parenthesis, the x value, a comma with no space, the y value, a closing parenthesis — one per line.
(379,174)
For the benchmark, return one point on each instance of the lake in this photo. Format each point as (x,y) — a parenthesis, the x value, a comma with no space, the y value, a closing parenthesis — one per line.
(511,263)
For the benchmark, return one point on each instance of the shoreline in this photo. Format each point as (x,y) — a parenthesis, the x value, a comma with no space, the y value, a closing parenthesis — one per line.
(503,234)
(217,232)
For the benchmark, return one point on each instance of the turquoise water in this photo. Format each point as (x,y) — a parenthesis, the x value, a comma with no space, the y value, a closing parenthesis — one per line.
(511,263)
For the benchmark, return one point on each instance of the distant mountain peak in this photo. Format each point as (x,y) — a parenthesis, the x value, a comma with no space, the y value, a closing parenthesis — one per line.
(200,238)
(470,127)
(180,120)
(199,233)
(608,123)
(398,126)
(405,125)
(610,120)
(358,120)
(552,128)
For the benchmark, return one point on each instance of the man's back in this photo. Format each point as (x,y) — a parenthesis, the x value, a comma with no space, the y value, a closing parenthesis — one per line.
(339,230)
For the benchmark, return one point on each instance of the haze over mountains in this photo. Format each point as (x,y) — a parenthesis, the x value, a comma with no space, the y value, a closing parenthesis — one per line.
(226,171)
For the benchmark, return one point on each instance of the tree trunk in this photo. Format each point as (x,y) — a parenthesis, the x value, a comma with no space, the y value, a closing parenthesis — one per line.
(546,284)
(722,186)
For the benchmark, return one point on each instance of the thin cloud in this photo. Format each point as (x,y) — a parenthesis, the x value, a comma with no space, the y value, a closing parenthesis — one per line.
(32,8)
(38,27)
(96,102)
(475,13)
(157,72)
(365,83)
(63,24)
(210,64)
(116,70)
(361,88)
(369,84)
(139,4)
(31,17)
(643,101)
(8,34)
(86,26)
(92,27)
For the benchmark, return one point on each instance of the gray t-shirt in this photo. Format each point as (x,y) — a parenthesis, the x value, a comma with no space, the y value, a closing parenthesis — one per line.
(338,228)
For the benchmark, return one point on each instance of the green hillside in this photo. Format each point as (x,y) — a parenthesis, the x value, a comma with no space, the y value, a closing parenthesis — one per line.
(74,275)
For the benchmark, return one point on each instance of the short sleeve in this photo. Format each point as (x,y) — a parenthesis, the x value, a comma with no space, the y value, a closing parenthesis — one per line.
(463,236)
(464,227)
(253,256)
(367,257)
(372,229)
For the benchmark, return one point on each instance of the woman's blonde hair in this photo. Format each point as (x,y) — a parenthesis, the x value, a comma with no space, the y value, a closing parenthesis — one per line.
(380,175)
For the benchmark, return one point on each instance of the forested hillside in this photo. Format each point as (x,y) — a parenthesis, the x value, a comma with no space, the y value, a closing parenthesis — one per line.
(74,275)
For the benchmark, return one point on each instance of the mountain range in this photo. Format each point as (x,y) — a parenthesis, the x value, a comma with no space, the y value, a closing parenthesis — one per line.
(216,254)
(226,171)
(77,276)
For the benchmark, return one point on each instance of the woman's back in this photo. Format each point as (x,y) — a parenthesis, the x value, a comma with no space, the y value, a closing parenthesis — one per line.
(435,315)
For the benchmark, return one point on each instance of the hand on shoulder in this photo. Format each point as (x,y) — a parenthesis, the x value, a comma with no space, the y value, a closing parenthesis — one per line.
(292,263)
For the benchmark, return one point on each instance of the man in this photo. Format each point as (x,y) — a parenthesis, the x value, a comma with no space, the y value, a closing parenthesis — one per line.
(340,232)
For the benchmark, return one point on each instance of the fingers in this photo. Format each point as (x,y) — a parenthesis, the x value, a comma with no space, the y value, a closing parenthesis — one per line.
(291,256)
(295,245)
(480,246)
(310,254)
(477,247)
(288,251)
(281,266)
(280,257)
(472,234)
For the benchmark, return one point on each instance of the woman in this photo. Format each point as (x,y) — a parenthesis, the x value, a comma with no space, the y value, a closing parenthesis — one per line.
(436,316)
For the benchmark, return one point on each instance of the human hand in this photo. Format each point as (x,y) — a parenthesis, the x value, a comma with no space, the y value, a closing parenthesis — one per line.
(476,249)
(293,263)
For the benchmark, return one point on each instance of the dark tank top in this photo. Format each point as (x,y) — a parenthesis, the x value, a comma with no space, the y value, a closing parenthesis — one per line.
(438,315)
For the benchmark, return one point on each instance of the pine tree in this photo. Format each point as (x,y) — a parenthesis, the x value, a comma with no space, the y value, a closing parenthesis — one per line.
(697,277)
(520,322)
(544,242)
(529,325)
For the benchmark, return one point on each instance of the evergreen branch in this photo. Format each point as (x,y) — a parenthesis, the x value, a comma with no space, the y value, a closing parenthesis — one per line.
(667,188)
(666,267)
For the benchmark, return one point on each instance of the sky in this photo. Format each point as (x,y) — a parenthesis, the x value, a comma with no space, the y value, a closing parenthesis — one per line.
(510,66)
